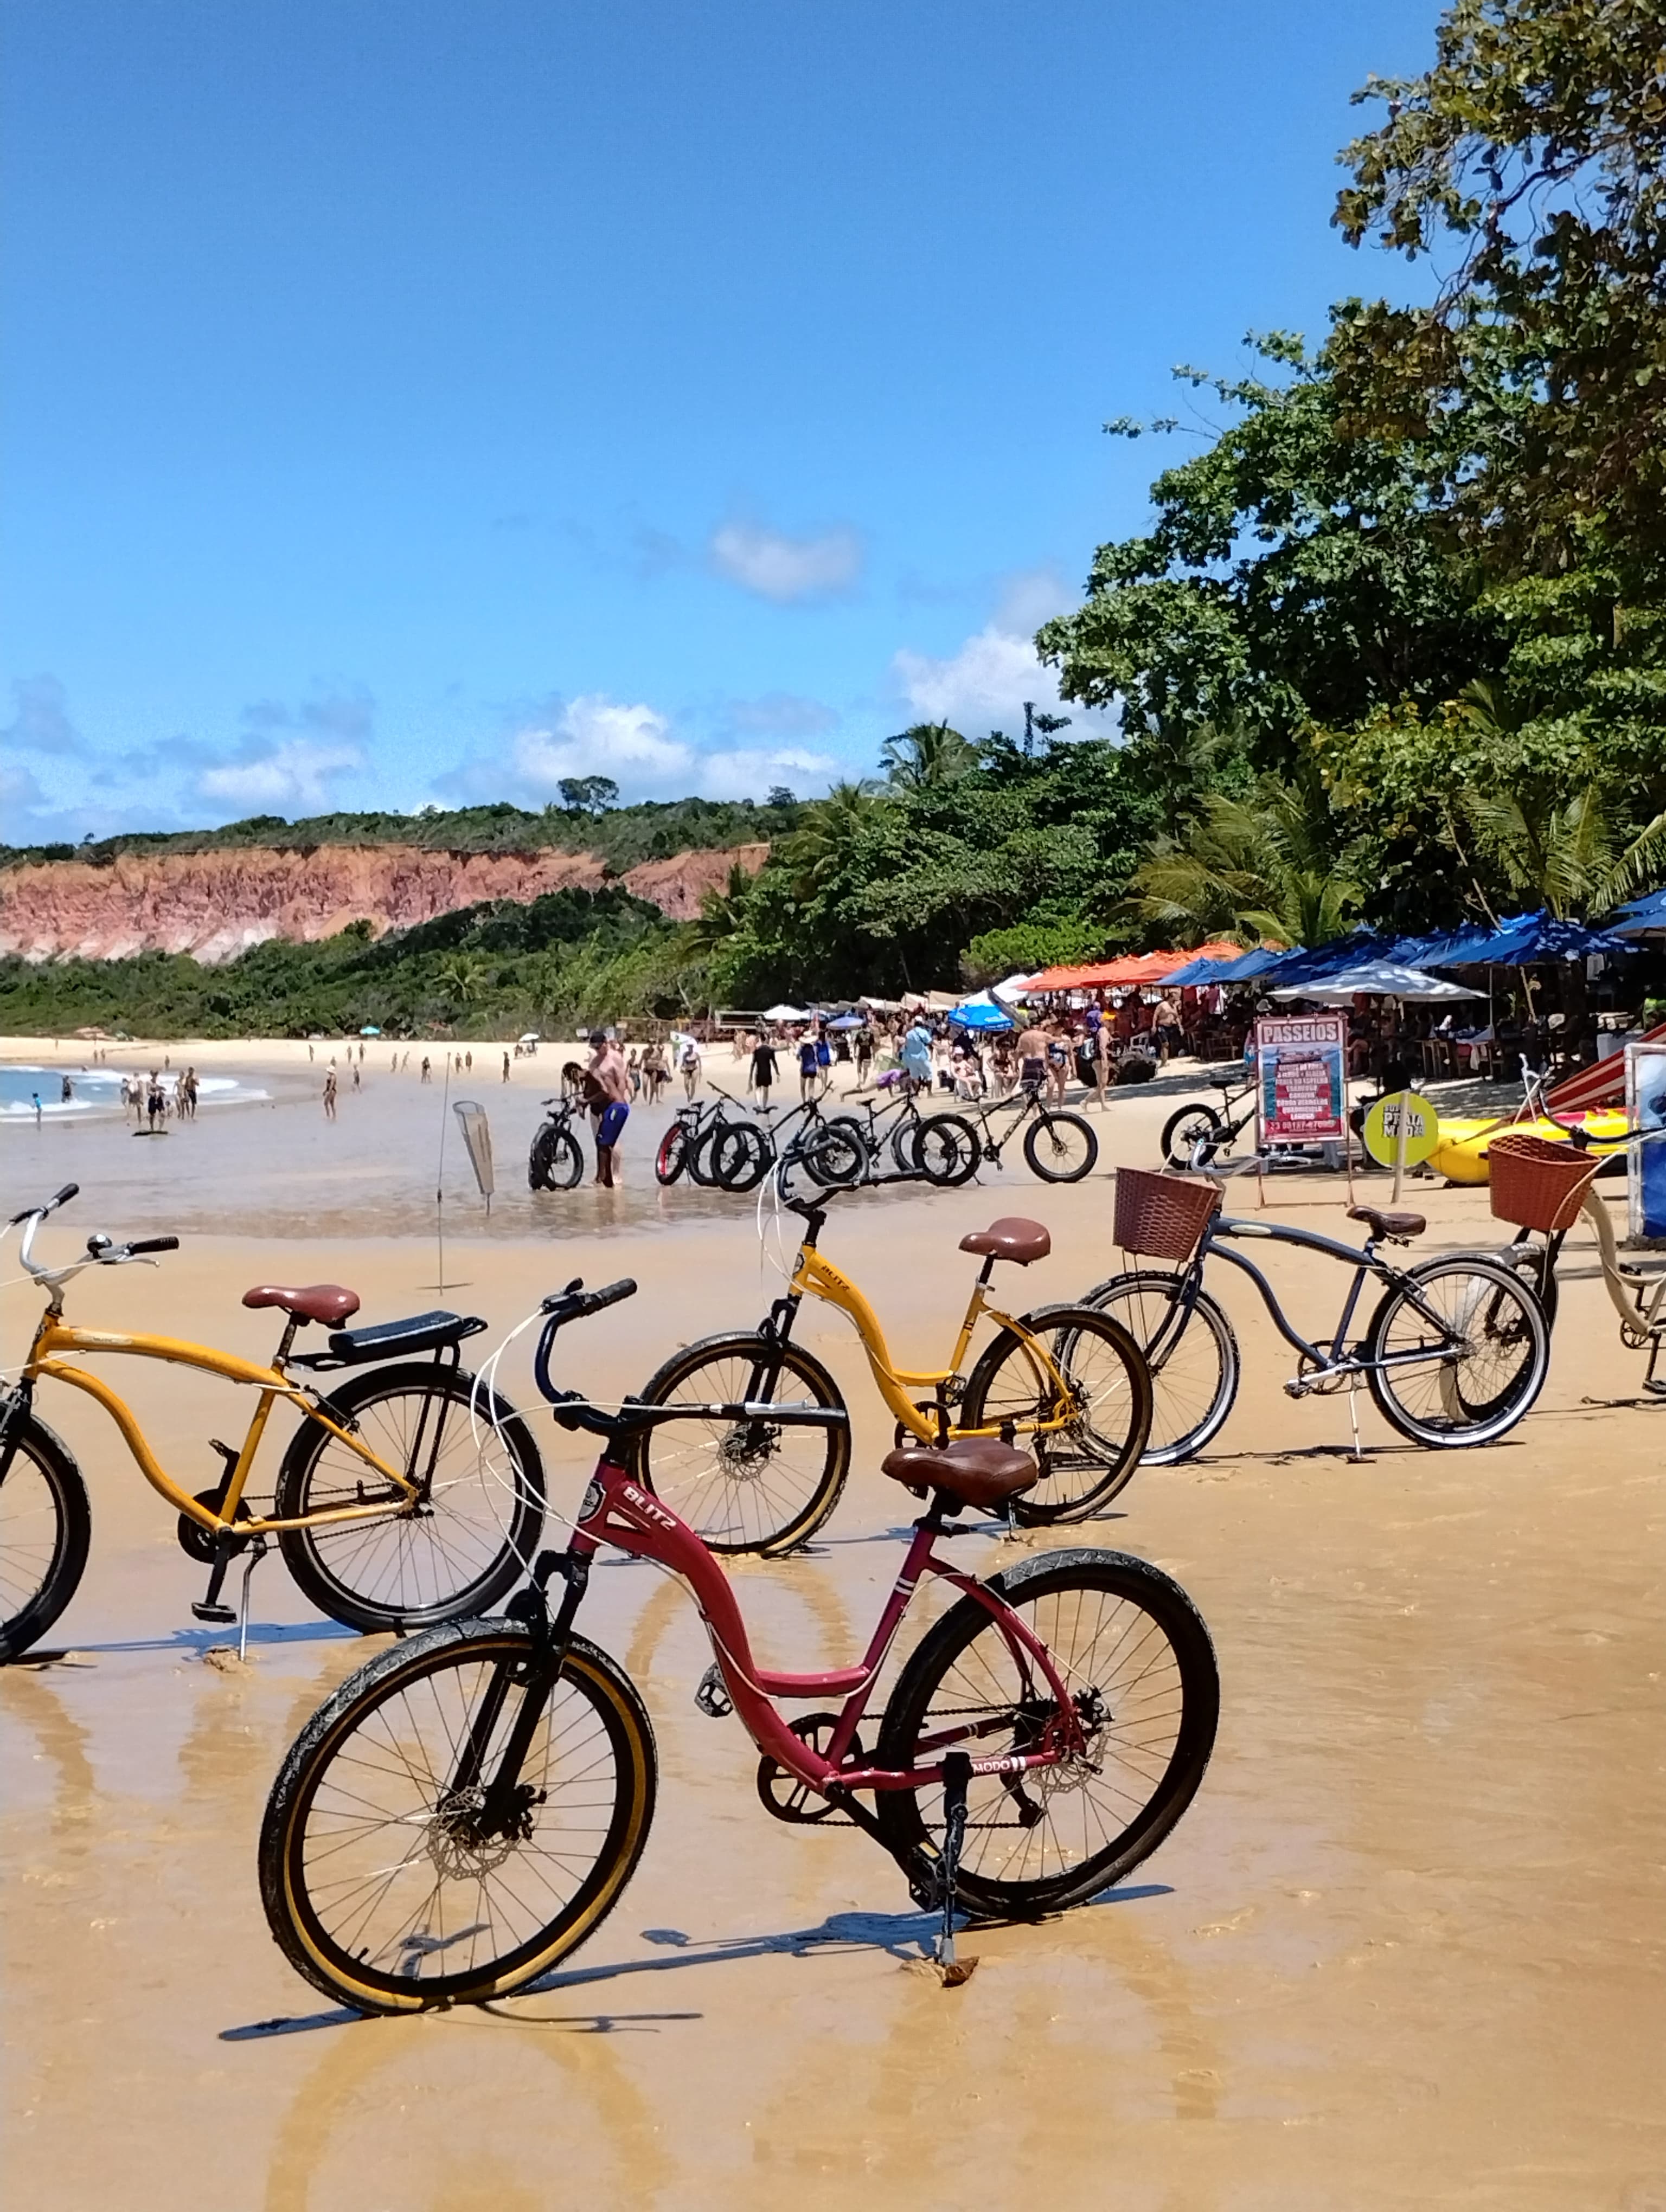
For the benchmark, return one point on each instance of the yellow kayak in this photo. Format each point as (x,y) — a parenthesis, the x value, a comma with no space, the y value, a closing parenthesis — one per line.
(1458,1155)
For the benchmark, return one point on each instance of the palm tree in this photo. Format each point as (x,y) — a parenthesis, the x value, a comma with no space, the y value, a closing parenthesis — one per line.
(722,914)
(926,755)
(463,978)
(817,849)
(1257,867)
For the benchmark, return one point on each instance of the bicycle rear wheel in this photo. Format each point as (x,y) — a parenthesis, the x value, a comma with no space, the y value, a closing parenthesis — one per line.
(1060,1147)
(1194,1374)
(745,1486)
(1136,1661)
(1076,1392)
(382,1885)
(556,1162)
(46,1527)
(1190,1126)
(672,1157)
(946,1150)
(739,1156)
(1468,1351)
(467,1542)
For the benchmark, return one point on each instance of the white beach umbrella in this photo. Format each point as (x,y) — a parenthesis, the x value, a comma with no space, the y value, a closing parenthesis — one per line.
(1374,979)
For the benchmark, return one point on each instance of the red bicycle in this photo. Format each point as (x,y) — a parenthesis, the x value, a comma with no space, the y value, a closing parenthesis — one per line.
(469,1806)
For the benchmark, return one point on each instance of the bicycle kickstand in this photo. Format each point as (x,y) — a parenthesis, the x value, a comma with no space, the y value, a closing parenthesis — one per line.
(956,1773)
(256,1552)
(1353,1416)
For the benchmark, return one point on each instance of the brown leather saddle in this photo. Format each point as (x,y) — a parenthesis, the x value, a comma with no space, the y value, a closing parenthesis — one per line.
(1398,1228)
(975,1471)
(322,1302)
(1011,1237)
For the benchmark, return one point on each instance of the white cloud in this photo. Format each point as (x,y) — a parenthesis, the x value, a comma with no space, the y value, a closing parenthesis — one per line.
(296,772)
(747,772)
(597,736)
(984,685)
(784,568)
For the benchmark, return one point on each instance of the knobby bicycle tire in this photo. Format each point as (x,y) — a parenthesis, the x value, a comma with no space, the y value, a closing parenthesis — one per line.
(397,1913)
(946,1150)
(740,1156)
(482,1523)
(672,1158)
(1186,1413)
(1477,1398)
(745,1485)
(1195,1123)
(1085,1462)
(1048,1145)
(556,1162)
(46,1530)
(1134,1654)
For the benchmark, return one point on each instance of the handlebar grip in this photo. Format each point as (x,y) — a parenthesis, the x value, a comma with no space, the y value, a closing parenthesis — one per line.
(154,1244)
(62,1197)
(608,1295)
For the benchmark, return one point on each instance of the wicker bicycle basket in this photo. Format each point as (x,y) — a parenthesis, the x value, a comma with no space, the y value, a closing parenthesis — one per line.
(1163,1215)
(1537,1183)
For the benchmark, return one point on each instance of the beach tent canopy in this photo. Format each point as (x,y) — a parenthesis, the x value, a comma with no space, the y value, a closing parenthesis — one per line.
(1644,917)
(1246,965)
(529,1036)
(370,1029)
(1011,987)
(786,1014)
(1204,966)
(1128,972)
(1374,979)
(881,1006)
(1532,940)
(982,1011)
(847,1022)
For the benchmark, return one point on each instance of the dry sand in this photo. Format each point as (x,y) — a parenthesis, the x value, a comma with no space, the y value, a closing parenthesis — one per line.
(1405,1950)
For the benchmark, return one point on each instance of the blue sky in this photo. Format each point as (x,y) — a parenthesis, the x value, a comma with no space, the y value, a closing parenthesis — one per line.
(406,402)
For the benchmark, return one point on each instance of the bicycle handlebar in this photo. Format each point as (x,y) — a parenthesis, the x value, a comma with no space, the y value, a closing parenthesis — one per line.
(575,1302)
(58,1198)
(151,1244)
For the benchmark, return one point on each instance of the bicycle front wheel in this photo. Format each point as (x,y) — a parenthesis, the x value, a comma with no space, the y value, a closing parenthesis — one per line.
(746,1485)
(1458,1352)
(557,1162)
(472,1532)
(672,1157)
(1075,1391)
(391,1879)
(1136,1662)
(46,1527)
(1060,1147)
(1194,1125)
(1194,1370)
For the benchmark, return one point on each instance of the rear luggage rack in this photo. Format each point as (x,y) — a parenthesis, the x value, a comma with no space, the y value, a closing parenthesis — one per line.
(391,1339)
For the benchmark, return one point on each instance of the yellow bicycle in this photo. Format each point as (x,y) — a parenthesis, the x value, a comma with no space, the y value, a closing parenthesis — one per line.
(1069,1383)
(409,1495)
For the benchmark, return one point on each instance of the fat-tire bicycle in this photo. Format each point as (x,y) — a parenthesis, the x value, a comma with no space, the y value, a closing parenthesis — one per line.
(411,1494)
(1454,1351)
(1068,1383)
(468,1807)
(1059,1146)
(556,1162)
(1196,1135)
(940,1148)
(832,1148)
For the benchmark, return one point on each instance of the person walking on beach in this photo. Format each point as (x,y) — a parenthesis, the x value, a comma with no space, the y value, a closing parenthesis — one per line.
(863,1045)
(808,1074)
(607,1087)
(1032,1056)
(1099,1045)
(427,1073)
(309,1055)
(506,1068)
(763,1070)
(916,1054)
(690,1066)
(156,1101)
(188,1095)
(330,1093)
(1058,1060)
(355,1065)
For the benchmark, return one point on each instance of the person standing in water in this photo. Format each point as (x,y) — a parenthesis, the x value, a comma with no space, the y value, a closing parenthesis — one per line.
(607,1085)
(330,1093)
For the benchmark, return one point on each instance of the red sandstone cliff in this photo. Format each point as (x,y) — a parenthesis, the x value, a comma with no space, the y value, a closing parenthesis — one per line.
(216,905)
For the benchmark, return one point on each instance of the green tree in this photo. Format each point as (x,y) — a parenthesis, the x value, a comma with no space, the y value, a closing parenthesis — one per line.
(927,755)
(1266,867)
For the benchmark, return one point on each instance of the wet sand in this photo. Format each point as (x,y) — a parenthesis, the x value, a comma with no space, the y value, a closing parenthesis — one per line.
(1405,1949)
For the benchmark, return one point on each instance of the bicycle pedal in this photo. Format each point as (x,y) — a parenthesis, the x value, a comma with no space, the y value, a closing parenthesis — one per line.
(218,1616)
(712,1697)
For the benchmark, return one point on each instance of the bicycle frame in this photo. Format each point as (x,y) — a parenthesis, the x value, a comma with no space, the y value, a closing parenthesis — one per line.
(54,1338)
(1362,1260)
(615,1511)
(816,1277)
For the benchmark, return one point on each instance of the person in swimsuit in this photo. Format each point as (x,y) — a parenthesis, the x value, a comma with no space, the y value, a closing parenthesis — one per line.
(1058,1061)
(763,1070)
(1032,1057)
(808,1074)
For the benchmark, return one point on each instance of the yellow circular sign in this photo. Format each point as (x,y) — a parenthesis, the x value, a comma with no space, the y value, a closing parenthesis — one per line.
(1383,1125)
